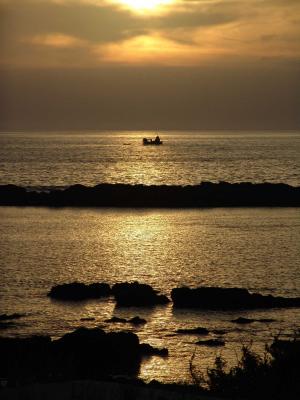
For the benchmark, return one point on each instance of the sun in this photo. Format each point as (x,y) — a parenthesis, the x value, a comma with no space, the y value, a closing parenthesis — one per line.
(144,5)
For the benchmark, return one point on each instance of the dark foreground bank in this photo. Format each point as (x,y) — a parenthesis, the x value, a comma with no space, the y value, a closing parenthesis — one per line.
(82,354)
(275,375)
(207,194)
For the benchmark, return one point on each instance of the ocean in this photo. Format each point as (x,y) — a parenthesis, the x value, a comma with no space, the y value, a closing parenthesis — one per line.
(257,249)
(52,159)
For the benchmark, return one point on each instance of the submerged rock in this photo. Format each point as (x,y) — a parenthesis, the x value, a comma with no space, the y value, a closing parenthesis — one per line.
(8,317)
(137,321)
(211,342)
(116,319)
(87,319)
(148,350)
(6,324)
(219,331)
(79,291)
(227,298)
(193,331)
(242,320)
(137,294)
(134,320)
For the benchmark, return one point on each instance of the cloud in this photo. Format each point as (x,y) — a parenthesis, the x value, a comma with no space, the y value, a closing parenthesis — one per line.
(93,32)
(57,40)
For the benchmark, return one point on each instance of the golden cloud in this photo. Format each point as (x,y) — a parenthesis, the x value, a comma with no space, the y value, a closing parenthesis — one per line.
(57,40)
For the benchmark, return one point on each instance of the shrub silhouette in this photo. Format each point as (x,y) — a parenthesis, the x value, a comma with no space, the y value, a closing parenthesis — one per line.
(275,375)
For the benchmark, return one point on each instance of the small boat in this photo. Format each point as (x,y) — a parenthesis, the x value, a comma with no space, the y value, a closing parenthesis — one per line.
(155,141)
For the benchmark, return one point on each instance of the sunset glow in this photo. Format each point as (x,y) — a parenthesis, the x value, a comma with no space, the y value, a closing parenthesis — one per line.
(144,5)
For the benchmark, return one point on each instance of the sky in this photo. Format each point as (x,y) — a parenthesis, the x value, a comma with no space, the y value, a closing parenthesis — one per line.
(150,64)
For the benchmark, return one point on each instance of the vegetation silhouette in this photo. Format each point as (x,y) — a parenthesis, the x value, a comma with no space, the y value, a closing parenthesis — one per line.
(274,375)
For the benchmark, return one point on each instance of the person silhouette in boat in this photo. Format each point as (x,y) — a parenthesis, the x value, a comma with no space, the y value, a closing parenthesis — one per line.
(157,139)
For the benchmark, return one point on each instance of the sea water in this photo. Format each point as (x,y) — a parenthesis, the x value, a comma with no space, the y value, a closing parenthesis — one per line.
(231,247)
(186,158)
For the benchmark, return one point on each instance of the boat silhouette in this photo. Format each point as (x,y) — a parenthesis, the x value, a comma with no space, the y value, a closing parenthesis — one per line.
(156,141)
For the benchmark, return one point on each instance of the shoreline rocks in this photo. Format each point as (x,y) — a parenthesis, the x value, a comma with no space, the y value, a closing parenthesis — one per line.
(81,354)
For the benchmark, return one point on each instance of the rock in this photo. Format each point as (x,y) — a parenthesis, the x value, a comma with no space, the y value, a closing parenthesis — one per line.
(8,317)
(79,291)
(219,331)
(87,319)
(134,320)
(227,299)
(242,320)
(148,350)
(6,324)
(266,320)
(207,194)
(116,319)
(81,354)
(137,294)
(193,331)
(211,342)
(137,321)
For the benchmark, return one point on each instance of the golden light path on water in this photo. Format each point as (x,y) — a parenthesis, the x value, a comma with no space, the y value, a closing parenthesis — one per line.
(252,248)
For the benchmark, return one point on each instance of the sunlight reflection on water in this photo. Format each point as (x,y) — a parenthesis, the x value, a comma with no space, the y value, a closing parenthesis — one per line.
(62,159)
(252,248)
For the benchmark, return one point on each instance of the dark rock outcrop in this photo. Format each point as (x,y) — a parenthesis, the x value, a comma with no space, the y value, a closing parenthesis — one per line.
(82,354)
(79,291)
(137,294)
(193,331)
(227,299)
(207,194)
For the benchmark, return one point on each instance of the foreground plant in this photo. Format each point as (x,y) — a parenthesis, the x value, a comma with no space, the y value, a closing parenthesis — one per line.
(275,375)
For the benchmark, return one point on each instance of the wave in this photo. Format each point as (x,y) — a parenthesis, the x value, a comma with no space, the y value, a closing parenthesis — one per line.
(206,194)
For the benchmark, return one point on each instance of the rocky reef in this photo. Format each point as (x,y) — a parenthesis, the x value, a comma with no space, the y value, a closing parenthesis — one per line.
(227,299)
(79,291)
(137,294)
(206,194)
(193,331)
